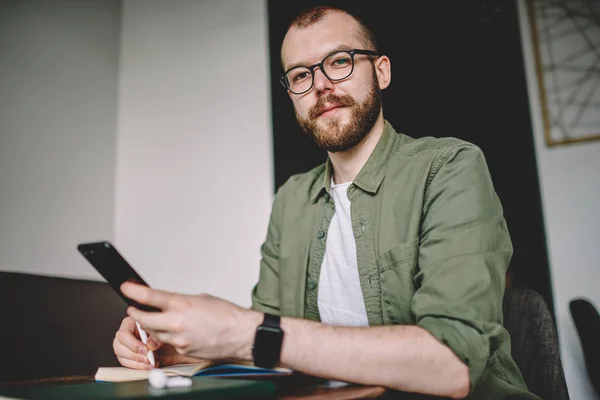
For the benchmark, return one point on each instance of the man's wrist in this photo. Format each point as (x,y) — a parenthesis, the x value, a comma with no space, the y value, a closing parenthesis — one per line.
(266,351)
(249,322)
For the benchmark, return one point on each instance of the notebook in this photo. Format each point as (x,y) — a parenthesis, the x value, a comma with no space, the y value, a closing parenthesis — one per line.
(237,369)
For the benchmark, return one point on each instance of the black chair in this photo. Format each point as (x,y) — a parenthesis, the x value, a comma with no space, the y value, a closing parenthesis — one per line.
(534,343)
(587,323)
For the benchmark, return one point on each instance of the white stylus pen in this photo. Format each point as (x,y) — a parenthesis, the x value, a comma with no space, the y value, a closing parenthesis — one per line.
(144,337)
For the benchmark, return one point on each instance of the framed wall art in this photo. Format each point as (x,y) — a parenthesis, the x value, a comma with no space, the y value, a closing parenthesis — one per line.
(566,41)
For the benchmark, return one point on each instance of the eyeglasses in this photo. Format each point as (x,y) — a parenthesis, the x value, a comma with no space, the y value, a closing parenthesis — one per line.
(336,66)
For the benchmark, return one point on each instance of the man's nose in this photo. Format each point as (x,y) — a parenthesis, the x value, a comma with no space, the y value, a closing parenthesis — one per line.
(321,83)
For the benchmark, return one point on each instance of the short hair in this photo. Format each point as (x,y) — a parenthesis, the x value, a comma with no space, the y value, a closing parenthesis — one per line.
(315,14)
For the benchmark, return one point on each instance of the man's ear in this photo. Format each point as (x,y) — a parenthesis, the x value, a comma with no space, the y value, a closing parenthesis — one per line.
(383,68)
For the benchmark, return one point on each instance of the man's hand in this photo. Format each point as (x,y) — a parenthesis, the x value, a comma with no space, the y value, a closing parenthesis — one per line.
(200,326)
(131,352)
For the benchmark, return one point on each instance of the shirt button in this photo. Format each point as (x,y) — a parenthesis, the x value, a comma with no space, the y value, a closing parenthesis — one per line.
(321,234)
(312,284)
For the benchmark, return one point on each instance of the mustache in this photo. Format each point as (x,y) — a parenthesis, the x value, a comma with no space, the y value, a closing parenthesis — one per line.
(341,101)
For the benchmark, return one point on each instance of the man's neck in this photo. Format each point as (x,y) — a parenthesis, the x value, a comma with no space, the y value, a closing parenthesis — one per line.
(347,164)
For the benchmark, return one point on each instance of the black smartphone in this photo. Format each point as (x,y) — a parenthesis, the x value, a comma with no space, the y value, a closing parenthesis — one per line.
(113,267)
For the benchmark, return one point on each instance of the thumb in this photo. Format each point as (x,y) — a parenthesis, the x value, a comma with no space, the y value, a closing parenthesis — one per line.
(153,343)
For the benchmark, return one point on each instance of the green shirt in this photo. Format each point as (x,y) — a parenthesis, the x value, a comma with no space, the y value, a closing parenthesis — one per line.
(432,248)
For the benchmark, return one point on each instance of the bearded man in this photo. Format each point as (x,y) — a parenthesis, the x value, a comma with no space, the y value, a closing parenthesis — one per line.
(383,266)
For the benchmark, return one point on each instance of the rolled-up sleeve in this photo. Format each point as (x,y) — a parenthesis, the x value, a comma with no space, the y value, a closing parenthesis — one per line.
(265,294)
(465,250)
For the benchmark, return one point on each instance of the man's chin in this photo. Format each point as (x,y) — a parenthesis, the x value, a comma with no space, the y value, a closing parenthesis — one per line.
(332,141)
(337,121)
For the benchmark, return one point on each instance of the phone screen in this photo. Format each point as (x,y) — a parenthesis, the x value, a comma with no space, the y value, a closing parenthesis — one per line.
(113,267)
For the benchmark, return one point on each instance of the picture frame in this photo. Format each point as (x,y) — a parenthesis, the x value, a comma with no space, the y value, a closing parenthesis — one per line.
(566,43)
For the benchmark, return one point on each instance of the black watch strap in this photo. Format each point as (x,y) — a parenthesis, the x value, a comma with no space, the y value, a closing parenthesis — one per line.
(272,321)
(267,342)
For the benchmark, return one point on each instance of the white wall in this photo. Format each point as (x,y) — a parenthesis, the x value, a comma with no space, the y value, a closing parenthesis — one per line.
(143,122)
(194,160)
(58,105)
(570,189)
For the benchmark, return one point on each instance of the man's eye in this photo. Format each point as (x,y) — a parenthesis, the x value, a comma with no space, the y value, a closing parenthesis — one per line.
(340,62)
(300,76)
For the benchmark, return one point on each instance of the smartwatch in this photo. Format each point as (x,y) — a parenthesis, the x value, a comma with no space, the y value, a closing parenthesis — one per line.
(267,342)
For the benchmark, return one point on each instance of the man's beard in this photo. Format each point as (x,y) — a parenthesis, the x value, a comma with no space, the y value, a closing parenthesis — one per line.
(336,137)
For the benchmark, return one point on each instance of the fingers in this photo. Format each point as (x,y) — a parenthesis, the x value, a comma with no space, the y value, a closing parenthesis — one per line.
(145,295)
(151,321)
(128,324)
(153,343)
(130,351)
(124,353)
(125,336)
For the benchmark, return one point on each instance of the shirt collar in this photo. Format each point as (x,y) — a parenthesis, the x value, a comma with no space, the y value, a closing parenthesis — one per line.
(371,174)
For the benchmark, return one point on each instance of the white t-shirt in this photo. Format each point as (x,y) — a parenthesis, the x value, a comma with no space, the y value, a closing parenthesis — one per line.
(340,297)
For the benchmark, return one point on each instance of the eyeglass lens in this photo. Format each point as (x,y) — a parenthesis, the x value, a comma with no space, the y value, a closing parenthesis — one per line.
(335,66)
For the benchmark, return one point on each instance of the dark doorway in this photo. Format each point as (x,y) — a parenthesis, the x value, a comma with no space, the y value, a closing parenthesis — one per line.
(457,70)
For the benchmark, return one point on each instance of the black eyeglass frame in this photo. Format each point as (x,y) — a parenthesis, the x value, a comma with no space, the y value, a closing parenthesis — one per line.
(312,68)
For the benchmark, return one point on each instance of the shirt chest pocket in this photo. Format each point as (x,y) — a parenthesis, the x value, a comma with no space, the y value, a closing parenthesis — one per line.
(397,268)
